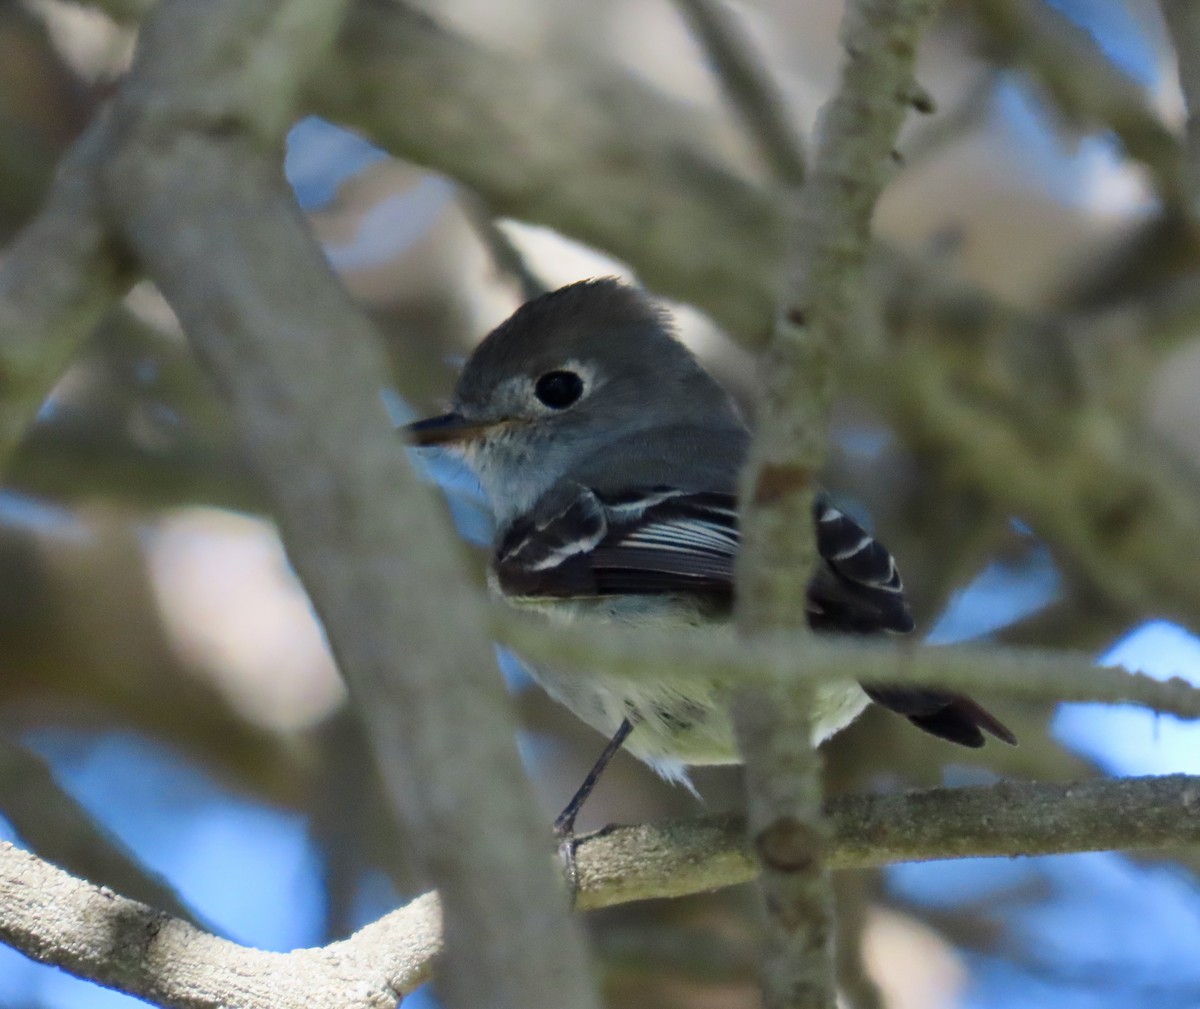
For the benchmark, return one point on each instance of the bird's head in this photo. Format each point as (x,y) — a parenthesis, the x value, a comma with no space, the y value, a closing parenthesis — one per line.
(570,374)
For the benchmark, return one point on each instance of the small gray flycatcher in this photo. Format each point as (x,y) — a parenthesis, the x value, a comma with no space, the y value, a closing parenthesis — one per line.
(610,458)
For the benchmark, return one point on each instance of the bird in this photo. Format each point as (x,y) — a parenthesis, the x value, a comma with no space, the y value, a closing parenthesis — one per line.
(610,457)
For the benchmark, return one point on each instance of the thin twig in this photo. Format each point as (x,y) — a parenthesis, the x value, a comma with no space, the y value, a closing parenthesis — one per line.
(1034,674)
(748,85)
(505,254)
(1183,22)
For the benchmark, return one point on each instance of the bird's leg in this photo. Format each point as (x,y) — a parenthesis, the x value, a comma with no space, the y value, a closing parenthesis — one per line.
(564,823)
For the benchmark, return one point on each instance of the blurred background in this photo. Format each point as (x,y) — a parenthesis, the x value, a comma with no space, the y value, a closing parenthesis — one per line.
(163,683)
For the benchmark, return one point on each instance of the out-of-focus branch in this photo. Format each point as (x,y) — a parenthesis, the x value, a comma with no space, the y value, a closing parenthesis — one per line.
(195,185)
(853,897)
(748,85)
(822,290)
(1114,508)
(54,918)
(46,105)
(1087,88)
(62,831)
(1019,673)
(507,258)
(629,170)
(1183,22)
(57,280)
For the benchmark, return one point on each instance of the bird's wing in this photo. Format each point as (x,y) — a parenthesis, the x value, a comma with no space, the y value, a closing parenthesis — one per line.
(668,541)
(651,541)
(579,542)
(546,553)
(856,588)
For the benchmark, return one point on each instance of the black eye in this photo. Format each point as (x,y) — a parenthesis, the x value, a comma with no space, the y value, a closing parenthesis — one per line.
(559,389)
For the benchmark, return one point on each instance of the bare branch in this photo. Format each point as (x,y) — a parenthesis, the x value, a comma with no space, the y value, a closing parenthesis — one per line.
(62,831)
(748,85)
(195,185)
(96,934)
(1035,674)
(676,858)
(1085,85)
(1183,22)
(822,288)
(57,280)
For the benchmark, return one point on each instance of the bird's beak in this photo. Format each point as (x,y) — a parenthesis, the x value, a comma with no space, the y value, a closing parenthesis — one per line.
(449,428)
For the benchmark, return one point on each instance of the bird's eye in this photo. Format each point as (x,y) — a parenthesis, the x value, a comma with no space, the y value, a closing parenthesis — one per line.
(559,389)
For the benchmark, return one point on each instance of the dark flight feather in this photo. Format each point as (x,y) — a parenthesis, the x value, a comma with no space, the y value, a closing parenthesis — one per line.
(663,541)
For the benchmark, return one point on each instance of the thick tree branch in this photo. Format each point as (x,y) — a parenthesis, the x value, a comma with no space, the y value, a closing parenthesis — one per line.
(54,918)
(96,934)
(194,183)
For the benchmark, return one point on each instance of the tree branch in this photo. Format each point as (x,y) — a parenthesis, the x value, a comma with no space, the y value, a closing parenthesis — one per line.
(50,820)
(676,858)
(1033,674)
(96,934)
(194,183)
(51,917)
(1086,87)
(1183,23)
(821,293)
(57,281)
(748,85)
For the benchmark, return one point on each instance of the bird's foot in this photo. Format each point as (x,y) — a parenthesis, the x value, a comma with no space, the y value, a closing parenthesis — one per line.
(568,843)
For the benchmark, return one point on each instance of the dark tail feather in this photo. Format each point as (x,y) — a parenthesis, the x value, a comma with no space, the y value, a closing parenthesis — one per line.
(952,717)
